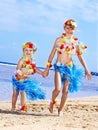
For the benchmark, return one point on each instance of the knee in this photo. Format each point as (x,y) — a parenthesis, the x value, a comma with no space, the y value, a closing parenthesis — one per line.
(65,93)
(15,94)
(57,90)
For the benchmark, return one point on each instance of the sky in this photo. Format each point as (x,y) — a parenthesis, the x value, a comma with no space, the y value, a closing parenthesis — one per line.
(41,22)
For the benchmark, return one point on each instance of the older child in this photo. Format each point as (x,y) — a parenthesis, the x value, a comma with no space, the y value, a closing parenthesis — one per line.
(66,72)
(21,80)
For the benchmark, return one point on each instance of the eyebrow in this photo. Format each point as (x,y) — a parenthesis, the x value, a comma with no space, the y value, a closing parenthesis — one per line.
(71,27)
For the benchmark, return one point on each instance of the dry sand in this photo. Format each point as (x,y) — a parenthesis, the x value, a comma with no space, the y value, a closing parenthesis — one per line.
(78,114)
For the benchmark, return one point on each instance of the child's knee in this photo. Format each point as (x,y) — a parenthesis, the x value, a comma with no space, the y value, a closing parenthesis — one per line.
(23,93)
(57,90)
(15,94)
(65,92)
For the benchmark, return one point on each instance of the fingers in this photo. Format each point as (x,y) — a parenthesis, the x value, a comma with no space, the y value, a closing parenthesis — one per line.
(44,74)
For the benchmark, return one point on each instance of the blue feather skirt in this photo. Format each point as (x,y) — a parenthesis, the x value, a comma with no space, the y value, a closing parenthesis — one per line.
(31,87)
(70,74)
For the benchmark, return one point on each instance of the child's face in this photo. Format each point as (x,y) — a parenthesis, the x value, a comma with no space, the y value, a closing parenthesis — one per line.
(28,52)
(69,30)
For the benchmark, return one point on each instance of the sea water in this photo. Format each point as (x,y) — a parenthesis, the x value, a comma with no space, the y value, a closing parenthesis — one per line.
(88,88)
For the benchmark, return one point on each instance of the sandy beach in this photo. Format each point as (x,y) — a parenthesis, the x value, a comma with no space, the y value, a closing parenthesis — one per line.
(78,114)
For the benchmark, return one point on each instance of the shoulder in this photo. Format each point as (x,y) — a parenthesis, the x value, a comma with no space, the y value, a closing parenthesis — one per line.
(20,63)
(20,60)
(58,40)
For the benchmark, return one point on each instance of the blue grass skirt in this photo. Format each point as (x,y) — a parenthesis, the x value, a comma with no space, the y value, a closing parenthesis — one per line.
(70,74)
(31,87)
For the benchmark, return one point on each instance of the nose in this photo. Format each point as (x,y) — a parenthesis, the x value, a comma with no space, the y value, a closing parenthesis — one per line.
(28,52)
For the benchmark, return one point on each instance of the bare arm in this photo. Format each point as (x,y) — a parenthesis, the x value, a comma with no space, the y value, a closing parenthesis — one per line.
(83,63)
(38,71)
(19,65)
(22,72)
(87,73)
(51,56)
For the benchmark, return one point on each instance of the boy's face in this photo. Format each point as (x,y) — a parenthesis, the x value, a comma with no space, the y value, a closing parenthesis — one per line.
(69,30)
(28,52)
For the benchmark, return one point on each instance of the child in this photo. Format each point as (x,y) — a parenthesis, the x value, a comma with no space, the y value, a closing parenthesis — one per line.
(66,72)
(21,80)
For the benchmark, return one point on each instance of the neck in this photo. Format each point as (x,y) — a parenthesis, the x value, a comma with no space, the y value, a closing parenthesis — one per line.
(27,58)
(68,36)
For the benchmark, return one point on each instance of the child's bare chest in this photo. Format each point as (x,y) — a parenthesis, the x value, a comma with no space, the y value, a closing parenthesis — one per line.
(66,46)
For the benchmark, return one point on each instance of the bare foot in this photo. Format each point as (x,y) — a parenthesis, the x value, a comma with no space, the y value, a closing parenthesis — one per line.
(60,112)
(13,109)
(51,107)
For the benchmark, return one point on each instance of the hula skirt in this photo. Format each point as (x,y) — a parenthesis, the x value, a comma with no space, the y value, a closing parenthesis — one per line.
(32,88)
(70,74)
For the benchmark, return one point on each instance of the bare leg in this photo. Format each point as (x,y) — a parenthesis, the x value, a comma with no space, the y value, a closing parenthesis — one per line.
(23,107)
(14,100)
(23,99)
(64,97)
(56,91)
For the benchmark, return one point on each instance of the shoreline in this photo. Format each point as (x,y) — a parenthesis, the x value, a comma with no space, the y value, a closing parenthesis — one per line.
(78,114)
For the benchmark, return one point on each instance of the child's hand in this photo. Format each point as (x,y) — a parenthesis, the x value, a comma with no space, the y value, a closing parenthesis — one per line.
(45,73)
(88,75)
(25,73)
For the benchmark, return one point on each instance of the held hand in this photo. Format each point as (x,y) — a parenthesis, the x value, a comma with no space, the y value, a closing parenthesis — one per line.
(45,73)
(88,75)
